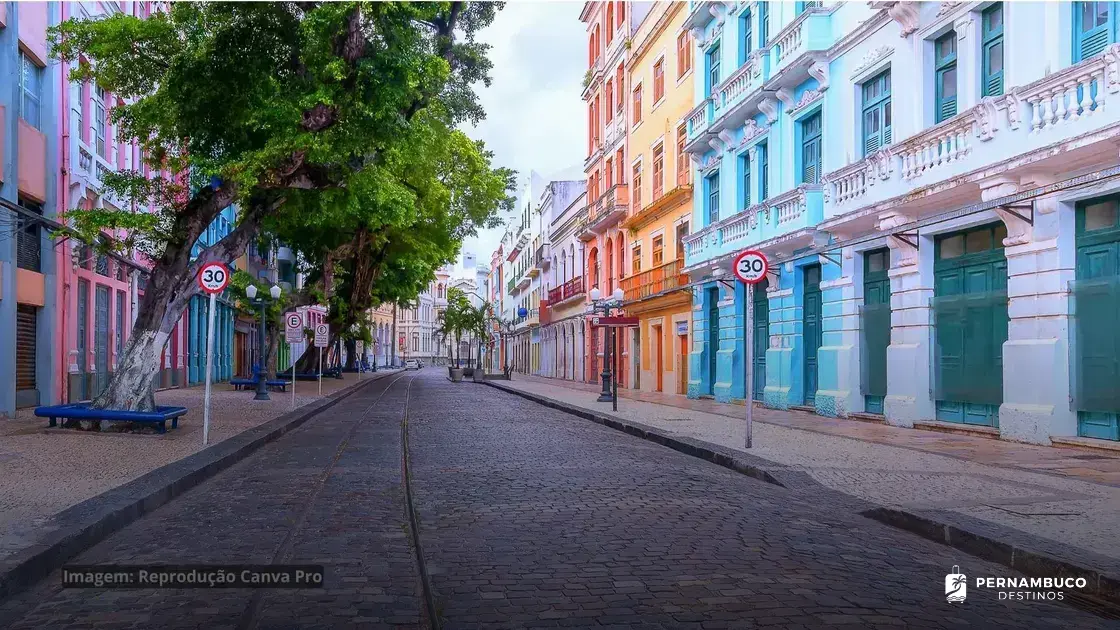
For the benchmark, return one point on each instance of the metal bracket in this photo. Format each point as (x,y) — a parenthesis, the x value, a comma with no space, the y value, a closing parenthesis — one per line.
(830,259)
(1008,209)
(906,237)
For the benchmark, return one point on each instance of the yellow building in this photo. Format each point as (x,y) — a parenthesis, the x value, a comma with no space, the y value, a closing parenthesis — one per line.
(660,88)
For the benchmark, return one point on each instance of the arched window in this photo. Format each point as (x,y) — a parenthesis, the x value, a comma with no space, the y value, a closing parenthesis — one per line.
(610,266)
(593,268)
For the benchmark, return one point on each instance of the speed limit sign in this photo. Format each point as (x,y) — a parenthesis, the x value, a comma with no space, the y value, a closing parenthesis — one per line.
(751,267)
(213,277)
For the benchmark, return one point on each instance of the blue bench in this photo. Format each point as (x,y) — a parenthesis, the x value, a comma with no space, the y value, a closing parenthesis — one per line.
(251,383)
(83,411)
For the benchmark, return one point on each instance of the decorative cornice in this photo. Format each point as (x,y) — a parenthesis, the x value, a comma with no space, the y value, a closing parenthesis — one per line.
(751,130)
(808,97)
(869,60)
(947,7)
(785,95)
(769,106)
(819,71)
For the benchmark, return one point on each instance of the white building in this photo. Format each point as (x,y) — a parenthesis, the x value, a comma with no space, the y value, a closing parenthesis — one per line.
(560,260)
(417,324)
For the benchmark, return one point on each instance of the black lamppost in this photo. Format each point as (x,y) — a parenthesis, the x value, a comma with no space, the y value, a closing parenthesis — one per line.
(605,305)
(263,302)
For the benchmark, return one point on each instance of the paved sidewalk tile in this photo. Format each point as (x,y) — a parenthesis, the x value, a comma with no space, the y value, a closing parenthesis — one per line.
(44,471)
(1032,489)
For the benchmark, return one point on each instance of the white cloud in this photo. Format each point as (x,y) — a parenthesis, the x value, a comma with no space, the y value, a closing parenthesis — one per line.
(535,118)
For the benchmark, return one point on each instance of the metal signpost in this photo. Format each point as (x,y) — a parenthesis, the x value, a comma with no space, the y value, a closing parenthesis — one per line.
(750,268)
(611,340)
(213,278)
(322,338)
(293,333)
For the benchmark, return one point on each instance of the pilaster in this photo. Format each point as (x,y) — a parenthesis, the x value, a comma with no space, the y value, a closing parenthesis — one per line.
(909,390)
(838,375)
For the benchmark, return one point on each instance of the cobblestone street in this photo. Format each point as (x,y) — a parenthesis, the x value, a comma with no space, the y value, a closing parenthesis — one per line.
(529,517)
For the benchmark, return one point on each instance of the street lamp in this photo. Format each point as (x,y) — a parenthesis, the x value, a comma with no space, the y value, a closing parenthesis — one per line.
(251,293)
(605,305)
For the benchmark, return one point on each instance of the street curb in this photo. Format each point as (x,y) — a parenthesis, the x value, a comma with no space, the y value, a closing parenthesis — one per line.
(745,465)
(1013,554)
(81,526)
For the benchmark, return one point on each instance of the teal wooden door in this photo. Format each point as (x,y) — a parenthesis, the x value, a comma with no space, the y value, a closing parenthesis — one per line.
(761,337)
(811,329)
(970,322)
(1096,299)
(713,338)
(875,324)
(101,338)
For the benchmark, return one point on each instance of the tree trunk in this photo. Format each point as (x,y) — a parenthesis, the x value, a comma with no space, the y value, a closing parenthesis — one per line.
(170,287)
(351,353)
(273,349)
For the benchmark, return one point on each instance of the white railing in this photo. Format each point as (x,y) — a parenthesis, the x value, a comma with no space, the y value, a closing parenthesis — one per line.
(790,206)
(697,243)
(851,182)
(790,40)
(698,117)
(939,145)
(736,228)
(1069,94)
(741,80)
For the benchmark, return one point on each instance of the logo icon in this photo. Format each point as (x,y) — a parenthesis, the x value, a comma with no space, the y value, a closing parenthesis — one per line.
(956,586)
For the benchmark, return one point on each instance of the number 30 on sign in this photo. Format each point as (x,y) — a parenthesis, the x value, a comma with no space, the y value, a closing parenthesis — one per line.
(213,277)
(751,267)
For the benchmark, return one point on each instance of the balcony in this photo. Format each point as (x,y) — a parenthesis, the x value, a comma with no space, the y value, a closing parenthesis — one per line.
(661,204)
(653,282)
(534,318)
(796,209)
(607,211)
(566,292)
(808,33)
(615,131)
(542,258)
(511,286)
(737,99)
(595,74)
(697,122)
(525,279)
(1056,124)
(701,13)
(593,157)
(546,313)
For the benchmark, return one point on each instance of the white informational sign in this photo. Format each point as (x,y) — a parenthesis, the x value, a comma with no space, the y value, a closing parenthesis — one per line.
(751,266)
(322,335)
(213,277)
(293,327)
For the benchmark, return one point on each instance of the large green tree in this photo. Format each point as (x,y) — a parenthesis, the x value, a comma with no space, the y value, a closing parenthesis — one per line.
(280,107)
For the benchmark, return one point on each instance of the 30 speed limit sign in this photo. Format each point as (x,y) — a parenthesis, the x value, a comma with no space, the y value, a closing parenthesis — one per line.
(751,267)
(213,277)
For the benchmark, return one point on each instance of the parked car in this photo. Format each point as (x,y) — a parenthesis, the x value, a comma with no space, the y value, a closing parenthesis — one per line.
(412,364)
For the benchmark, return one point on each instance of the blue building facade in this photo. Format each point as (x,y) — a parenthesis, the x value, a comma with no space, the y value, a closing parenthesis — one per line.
(197,314)
(921,177)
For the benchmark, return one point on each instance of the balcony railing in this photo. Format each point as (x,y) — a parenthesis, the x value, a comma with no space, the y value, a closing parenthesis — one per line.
(511,286)
(698,119)
(609,208)
(808,32)
(566,291)
(654,281)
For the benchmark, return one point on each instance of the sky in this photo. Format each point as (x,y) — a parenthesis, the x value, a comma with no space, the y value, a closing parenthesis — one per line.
(535,118)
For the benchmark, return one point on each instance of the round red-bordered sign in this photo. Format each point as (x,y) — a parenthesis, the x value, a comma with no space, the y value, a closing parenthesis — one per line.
(751,266)
(213,277)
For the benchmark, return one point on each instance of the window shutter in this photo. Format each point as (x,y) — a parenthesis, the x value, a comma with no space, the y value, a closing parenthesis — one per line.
(886,128)
(993,84)
(946,109)
(871,144)
(1093,42)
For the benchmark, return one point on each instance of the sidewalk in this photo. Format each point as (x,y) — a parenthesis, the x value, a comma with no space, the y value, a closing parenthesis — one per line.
(44,471)
(1067,496)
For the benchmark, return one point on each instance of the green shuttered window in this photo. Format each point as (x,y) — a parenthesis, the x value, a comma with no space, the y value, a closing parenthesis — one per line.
(876,113)
(991,35)
(745,181)
(1094,27)
(745,37)
(763,23)
(945,76)
(811,149)
(711,182)
(763,171)
(712,61)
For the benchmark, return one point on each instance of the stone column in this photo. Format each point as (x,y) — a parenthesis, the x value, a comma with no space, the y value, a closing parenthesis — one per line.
(1040,266)
(909,389)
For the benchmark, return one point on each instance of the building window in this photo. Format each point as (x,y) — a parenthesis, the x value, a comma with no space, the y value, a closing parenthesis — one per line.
(636,182)
(1094,25)
(658,251)
(682,232)
(636,259)
(684,54)
(658,171)
(99,121)
(745,181)
(746,34)
(659,80)
(610,173)
(28,241)
(620,93)
(682,157)
(991,35)
(621,164)
(763,171)
(945,76)
(711,59)
(637,105)
(610,99)
(811,149)
(763,24)
(711,184)
(610,22)
(31,92)
(876,113)
(621,16)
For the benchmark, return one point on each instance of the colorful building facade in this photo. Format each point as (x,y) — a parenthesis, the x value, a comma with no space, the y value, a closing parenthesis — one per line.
(660,77)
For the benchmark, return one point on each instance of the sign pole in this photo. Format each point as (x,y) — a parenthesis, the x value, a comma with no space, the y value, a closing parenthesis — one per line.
(614,385)
(320,371)
(748,333)
(209,369)
(293,382)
